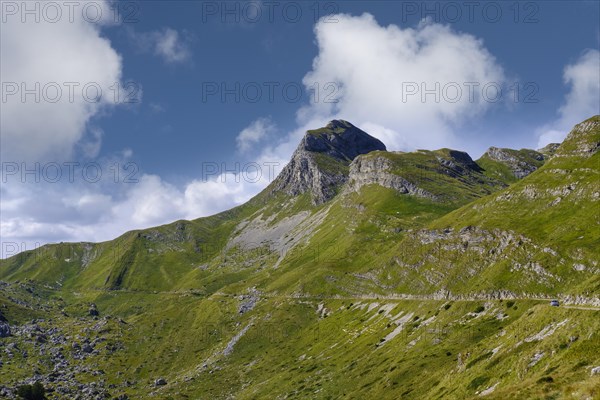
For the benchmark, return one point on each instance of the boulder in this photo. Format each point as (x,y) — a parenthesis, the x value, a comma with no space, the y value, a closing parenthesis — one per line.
(93,311)
(4,329)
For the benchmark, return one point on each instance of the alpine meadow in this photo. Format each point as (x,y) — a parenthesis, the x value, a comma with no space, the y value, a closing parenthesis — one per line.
(295,200)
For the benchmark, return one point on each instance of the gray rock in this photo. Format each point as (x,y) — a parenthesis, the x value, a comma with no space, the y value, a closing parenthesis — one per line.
(93,311)
(377,170)
(6,392)
(248,302)
(86,348)
(4,329)
(581,141)
(549,149)
(320,163)
(521,163)
(160,382)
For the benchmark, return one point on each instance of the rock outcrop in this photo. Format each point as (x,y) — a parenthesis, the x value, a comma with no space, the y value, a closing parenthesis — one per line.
(4,329)
(320,163)
(377,169)
(520,162)
(93,311)
(549,150)
(419,172)
(458,161)
(582,141)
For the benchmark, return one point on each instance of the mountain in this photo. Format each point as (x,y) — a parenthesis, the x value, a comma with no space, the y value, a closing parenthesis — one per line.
(357,273)
(549,149)
(509,165)
(320,163)
(540,234)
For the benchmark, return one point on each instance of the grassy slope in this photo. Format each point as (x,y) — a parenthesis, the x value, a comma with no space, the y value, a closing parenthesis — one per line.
(445,350)
(556,207)
(368,244)
(151,259)
(453,184)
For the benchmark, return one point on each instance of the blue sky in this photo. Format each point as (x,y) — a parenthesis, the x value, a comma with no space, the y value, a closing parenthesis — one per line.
(283,51)
(178,55)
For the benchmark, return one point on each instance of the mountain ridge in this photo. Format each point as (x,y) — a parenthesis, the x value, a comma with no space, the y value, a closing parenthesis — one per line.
(413,275)
(326,141)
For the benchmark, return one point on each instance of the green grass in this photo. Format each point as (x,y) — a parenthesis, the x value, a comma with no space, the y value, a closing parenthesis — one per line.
(325,325)
(289,350)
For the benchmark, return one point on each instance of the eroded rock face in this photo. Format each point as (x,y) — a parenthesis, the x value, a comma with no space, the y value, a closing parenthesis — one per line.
(518,163)
(377,170)
(320,163)
(303,174)
(459,162)
(398,171)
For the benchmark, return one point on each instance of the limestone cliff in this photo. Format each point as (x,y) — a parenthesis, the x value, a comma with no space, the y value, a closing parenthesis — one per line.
(320,163)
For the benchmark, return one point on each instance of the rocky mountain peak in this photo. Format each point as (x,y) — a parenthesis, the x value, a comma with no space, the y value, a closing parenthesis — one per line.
(459,161)
(321,162)
(341,140)
(583,140)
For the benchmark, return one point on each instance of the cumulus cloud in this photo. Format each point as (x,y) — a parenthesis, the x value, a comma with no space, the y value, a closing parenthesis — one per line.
(254,133)
(413,86)
(166,43)
(52,75)
(581,102)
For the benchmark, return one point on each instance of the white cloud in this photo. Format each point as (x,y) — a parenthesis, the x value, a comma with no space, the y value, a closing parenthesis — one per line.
(254,133)
(584,78)
(165,43)
(54,59)
(374,69)
(170,47)
(581,102)
(391,138)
